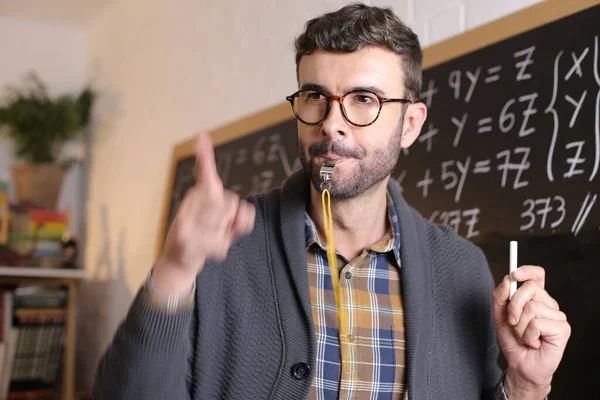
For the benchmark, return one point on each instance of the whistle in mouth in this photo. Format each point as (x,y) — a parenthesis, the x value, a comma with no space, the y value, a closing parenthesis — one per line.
(327,171)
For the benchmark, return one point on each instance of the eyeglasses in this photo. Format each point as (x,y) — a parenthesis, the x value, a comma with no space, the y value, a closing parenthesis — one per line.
(359,107)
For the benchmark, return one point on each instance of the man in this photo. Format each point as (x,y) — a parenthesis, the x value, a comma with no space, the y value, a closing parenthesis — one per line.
(241,305)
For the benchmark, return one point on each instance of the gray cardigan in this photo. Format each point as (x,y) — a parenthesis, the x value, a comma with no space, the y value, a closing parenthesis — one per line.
(250,334)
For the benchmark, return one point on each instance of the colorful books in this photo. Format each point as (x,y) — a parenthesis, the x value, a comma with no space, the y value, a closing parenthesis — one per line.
(37,235)
(33,223)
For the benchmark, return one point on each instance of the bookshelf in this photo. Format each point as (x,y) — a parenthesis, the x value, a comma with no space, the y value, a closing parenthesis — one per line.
(69,278)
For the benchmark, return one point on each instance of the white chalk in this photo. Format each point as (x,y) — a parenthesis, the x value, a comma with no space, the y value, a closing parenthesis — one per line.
(514,246)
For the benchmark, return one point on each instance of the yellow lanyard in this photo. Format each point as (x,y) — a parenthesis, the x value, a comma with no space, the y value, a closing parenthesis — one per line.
(332,259)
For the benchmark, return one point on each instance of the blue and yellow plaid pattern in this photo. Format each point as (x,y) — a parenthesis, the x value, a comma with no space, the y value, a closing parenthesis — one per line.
(371,297)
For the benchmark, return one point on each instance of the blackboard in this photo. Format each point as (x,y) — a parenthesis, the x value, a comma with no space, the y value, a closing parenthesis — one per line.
(510,151)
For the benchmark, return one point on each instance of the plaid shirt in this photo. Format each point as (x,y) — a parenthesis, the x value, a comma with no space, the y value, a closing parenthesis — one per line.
(370,294)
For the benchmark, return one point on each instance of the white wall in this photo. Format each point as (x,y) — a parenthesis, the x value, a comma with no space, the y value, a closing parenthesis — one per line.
(56,52)
(163,74)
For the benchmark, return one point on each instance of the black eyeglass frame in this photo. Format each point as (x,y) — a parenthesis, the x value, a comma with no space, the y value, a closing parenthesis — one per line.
(340,99)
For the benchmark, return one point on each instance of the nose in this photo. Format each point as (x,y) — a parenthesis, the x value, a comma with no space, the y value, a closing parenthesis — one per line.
(335,125)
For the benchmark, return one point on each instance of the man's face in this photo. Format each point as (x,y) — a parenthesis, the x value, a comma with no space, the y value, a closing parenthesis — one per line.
(364,156)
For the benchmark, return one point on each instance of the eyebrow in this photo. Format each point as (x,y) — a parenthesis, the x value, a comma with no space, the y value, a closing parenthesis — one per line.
(316,87)
(373,89)
(325,91)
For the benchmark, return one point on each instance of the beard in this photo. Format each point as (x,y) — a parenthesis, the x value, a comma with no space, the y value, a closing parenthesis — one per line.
(368,171)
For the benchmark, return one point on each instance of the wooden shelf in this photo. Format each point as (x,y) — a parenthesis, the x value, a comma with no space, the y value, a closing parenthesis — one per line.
(54,276)
(33,272)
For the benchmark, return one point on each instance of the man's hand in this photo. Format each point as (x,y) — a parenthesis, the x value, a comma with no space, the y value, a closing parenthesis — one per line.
(532,333)
(207,222)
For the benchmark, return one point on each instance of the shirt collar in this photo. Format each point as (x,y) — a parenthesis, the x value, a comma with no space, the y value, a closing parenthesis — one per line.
(311,234)
(390,241)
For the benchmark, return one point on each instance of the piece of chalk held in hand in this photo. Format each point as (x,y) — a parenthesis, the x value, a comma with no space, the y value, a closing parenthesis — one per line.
(513,267)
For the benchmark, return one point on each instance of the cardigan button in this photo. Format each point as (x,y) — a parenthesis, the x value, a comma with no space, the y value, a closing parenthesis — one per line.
(301,370)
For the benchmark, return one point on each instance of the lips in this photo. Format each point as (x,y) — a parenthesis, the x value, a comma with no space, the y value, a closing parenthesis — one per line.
(333,158)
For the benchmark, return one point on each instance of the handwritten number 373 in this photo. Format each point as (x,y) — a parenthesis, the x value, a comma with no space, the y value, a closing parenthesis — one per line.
(542,207)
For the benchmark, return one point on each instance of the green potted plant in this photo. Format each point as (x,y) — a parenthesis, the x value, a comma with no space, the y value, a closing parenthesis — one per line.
(39,125)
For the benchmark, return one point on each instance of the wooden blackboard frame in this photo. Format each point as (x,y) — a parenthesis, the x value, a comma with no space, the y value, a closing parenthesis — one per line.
(514,24)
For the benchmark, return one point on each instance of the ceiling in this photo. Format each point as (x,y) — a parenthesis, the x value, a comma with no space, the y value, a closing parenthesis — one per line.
(69,12)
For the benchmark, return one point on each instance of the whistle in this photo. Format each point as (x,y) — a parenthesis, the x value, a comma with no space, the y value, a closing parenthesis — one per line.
(326,175)
(327,171)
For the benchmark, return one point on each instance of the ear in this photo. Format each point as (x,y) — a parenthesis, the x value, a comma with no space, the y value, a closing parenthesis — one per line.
(413,121)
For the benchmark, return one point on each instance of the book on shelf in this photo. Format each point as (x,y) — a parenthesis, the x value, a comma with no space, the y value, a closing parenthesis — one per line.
(38,237)
(4,212)
(33,334)
(36,297)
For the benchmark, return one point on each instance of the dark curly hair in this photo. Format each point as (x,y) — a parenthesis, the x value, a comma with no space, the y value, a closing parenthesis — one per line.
(358,25)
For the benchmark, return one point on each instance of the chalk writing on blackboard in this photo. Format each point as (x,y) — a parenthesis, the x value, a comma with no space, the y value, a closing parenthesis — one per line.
(511,143)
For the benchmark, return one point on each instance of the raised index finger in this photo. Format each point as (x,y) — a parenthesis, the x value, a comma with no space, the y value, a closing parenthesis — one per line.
(206,166)
(530,272)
